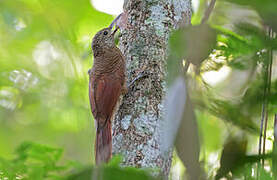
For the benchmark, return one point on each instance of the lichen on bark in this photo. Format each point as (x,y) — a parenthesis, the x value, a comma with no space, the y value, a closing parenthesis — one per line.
(143,41)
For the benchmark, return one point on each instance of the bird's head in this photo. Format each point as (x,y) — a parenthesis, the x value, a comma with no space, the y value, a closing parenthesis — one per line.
(105,37)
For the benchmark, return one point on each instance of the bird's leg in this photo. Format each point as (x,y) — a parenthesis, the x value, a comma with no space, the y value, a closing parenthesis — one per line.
(126,88)
(141,75)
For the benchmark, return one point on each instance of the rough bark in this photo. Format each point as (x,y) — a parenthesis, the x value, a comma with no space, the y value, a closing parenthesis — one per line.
(143,41)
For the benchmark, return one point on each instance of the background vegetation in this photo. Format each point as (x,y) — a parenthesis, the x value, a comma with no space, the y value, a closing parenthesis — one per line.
(46,129)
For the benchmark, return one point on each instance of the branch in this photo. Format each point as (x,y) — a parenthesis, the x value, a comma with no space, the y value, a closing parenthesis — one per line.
(208,12)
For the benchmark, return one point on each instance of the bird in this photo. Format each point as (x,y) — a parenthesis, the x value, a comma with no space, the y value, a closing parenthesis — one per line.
(107,83)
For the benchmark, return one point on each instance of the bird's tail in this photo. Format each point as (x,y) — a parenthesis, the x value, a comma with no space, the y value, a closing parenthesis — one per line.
(103,143)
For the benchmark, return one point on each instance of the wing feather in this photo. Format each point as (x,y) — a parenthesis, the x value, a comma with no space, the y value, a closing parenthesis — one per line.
(104,93)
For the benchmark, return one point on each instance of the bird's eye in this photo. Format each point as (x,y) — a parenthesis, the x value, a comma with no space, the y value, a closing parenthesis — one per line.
(105,32)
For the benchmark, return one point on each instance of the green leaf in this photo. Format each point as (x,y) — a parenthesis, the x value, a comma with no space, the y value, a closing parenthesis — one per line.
(112,171)
(35,161)
(266,9)
(193,44)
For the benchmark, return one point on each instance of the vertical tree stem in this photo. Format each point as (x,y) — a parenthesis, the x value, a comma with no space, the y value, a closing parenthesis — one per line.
(208,12)
(274,158)
(144,40)
(269,70)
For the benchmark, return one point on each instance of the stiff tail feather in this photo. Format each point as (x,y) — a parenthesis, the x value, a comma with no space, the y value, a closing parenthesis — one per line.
(103,143)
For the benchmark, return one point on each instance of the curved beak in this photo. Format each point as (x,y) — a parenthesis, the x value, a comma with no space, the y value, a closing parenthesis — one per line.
(114,31)
(114,24)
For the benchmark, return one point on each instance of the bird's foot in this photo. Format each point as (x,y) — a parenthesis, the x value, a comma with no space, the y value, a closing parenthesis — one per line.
(141,75)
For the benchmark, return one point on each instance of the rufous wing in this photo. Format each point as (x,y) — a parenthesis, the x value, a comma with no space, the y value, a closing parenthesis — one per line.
(104,92)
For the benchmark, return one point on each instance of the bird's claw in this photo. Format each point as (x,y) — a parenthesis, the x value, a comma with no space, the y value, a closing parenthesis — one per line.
(141,75)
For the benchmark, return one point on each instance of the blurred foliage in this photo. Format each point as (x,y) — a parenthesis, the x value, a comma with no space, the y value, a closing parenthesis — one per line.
(266,9)
(184,42)
(235,160)
(44,58)
(114,171)
(237,38)
(35,161)
(233,152)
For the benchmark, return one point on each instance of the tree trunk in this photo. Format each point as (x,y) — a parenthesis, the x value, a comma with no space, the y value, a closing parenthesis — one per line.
(143,41)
